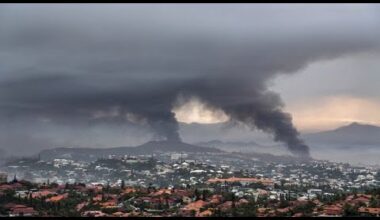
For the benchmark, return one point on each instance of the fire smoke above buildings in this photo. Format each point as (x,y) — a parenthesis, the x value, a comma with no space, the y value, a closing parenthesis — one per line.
(129,63)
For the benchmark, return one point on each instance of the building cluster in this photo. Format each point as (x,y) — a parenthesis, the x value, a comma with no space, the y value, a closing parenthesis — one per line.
(219,197)
(177,184)
(181,169)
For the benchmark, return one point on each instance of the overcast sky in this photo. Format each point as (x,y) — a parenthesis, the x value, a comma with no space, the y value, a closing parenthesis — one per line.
(71,72)
(344,90)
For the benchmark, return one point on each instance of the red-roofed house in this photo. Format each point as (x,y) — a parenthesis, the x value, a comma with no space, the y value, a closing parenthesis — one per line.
(205,213)
(333,210)
(225,206)
(42,193)
(57,198)
(370,211)
(360,198)
(243,181)
(20,210)
(193,207)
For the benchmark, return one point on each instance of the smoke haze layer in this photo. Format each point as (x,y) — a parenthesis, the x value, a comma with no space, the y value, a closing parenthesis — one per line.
(76,65)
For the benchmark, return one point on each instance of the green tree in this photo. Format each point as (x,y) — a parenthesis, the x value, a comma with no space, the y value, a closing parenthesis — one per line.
(374,202)
(205,194)
(349,210)
(197,194)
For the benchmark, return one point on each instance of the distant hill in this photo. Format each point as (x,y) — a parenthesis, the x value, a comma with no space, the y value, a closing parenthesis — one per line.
(218,143)
(354,134)
(195,132)
(87,154)
(167,146)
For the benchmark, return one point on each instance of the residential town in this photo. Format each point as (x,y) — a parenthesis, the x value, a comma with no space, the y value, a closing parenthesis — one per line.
(189,110)
(179,184)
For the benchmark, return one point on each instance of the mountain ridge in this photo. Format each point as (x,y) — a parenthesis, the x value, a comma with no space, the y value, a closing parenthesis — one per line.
(146,148)
(352,134)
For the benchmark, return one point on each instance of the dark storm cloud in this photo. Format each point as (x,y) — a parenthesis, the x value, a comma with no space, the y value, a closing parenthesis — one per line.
(69,62)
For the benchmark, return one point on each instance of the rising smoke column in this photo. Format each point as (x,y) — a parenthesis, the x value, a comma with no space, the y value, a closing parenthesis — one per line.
(270,119)
(163,124)
(252,104)
(73,65)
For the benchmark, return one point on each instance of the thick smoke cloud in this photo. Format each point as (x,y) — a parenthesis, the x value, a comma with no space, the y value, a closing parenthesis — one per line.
(85,64)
